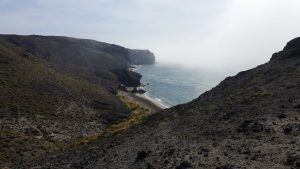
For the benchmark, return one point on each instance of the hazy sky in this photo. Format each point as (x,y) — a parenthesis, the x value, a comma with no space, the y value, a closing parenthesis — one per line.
(221,34)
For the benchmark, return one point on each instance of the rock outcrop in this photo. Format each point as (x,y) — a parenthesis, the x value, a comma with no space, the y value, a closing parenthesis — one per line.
(250,120)
(141,57)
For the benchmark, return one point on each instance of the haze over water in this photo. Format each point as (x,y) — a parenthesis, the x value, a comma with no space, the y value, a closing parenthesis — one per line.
(216,34)
(172,84)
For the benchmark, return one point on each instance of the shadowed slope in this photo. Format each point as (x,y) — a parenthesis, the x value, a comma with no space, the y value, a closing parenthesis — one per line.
(99,62)
(40,105)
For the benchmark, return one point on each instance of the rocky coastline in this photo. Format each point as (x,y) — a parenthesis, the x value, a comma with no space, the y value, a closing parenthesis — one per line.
(138,94)
(250,120)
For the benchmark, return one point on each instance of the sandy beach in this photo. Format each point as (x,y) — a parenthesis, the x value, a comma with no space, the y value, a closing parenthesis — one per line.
(144,101)
(141,99)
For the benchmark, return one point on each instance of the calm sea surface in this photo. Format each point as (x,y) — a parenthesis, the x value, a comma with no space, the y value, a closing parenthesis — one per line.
(172,84)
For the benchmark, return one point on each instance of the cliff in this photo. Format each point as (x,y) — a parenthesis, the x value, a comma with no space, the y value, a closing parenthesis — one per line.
(250,120)
(95,61)
(141,57)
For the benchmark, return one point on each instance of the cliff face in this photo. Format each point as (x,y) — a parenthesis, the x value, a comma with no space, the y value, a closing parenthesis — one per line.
(251,120)
(141,57)
(89,59)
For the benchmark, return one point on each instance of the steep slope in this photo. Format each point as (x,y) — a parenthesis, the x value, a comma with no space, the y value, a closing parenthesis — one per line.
(99,62)
(139,57)
(41,106)
(251,120)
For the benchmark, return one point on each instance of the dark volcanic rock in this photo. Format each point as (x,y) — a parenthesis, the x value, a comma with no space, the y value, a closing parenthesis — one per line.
(128,78)
(293,160)
(290,50)
(141,155)
(250,127)
(292,129)
(184,165)
(234,125)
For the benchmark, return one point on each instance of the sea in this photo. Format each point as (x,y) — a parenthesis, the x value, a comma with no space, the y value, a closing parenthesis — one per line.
(172,84)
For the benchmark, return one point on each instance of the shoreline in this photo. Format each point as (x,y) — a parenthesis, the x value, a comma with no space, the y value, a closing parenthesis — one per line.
(153,100)
(141,98)
(145,102)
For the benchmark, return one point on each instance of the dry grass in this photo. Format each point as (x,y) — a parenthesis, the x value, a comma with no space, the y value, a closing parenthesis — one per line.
(137,115)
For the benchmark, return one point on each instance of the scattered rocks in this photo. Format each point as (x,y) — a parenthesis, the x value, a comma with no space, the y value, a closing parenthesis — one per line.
(292,129)
(33,131)
(293,160)
(297,106)
(184,165)
(138,90)
(250,127)
(204,151)
(281,116)
(123,88)
(150,166)
(141,155)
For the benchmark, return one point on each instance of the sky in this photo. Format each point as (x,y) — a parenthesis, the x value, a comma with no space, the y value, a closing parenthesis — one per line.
(224,35)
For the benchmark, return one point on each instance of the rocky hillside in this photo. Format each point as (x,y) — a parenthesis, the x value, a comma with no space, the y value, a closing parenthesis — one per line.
(99,62)
(251,120)
(40,105)
(55,93)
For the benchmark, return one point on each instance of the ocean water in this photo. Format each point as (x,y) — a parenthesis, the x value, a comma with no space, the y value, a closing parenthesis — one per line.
(172,84)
